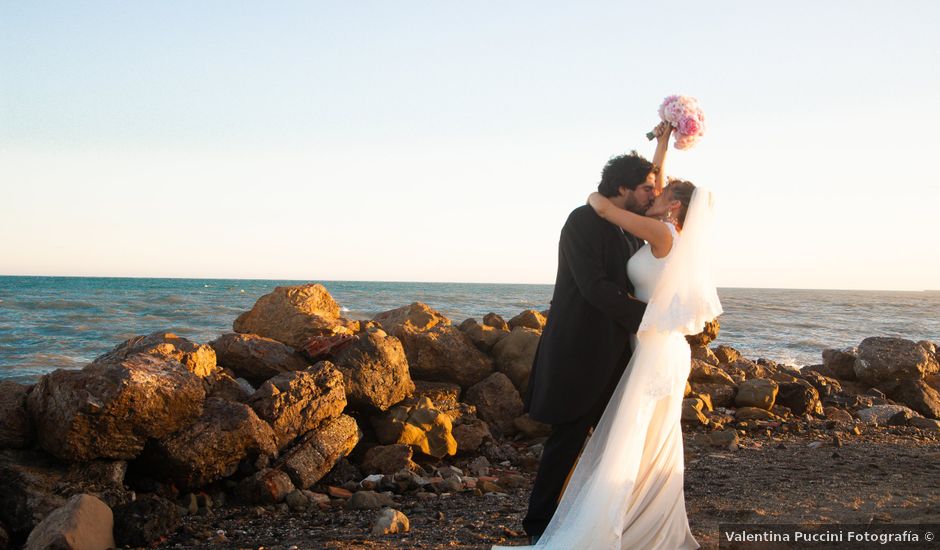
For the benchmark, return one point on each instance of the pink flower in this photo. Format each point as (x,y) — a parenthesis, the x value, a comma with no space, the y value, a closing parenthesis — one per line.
(689,125)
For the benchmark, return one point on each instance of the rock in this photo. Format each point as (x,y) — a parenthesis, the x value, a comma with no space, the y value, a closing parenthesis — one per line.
(28,483)
(901,418)
(265,487)
(529,319)
(531,429)
(707,335)
(800,397)
(749,368)
(879,415)
(15,429)
(221,385)
(297,501)
(390,522)
(726,354)
(484,337)
(755,413)
(342,472)
(368,500)
(720,395)
(497,401)
(836,414)
(375,371)
(756,393)
(692,412)
(294,403)
(319,450)
(703,372)
(705,355)
(84,522)
(111,409)
(470,434)
(727,438)
(514,355)
(435,349)
(883,359)
(388,459)
(933,380)
(293,315)
(211,447)
(928,424)
(497,322)
(144,521)
(840,363)
(916,394)
(444,395)
(825,386)
(256,358)
(418,423)
(199,359)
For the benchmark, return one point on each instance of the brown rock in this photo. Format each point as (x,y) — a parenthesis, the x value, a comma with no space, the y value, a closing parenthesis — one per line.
(529,319)
(757,392)
(916,394)
(495,321)
(388,459)
(755,413)
(223,386)
(256,358)
(293,315)
(885,359)
(824,385)
(514,355)
(726,354)
(319,450)
(705,355)
(418,423)
(532,429)
(470,433)
(297,402)
(497,401)
(15,429)
(927,424)
(750,369)
(840,363)
(721,395)
(838,415)
(84,522)
(435,349)
(800,397)
(484,337)
(375,371)
(444,395)
(703,372)
(145,520)
(692,412)
(28,483)
(200,359)
(211,447)
(707,335)
(265,487)
(110,409)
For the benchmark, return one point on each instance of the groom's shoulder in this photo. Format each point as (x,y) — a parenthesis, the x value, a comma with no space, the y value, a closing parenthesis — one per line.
(582,215)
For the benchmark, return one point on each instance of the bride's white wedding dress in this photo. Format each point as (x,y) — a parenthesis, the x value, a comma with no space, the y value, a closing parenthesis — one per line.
(626,491)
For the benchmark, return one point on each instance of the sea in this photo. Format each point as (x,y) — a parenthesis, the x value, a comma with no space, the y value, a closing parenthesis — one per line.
(48,323)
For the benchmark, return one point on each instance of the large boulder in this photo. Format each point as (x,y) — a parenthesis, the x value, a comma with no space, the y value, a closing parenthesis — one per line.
(388,459)
(720,395)
(256,358)
(916,394)
(375,371)
(726,354)
(882,359)
(514,355)
(704,373)
(211,447)
(529,319)
(484,337)
(293,315)
(757,392)
(15,430)
(111,409)
(800,397)
(497,401)
(708,334)
(839,363)
(436,350)
(28,483)
(294,403)
(200,359)
(319,450)
(879,415)
(495,321)
(417,422)
(269,486)
(83,523)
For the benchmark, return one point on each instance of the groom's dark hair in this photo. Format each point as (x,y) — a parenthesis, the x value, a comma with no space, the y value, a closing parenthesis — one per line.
(623,171)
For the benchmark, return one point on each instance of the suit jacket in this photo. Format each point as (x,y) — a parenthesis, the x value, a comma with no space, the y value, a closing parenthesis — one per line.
(585,345)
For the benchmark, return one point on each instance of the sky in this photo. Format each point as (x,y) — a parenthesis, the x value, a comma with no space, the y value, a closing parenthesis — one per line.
(446,141)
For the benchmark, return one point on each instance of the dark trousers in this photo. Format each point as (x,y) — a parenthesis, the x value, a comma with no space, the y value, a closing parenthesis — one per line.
(559,455)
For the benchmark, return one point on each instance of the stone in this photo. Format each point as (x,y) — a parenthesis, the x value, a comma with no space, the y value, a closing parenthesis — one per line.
(749,368)
(417,423)
(390,522)
(294,403)
(497,401)
(148,519)
(111,409)
(470,434)
(388,459)
(268,486)
(368,500)
(726,354)
(256,358)
(708,334)
(927,424)
(28,483)
(916,394)
(692,412)
(800,397)
(825,386)
(199,359)
(720,395)
(705,355)
(435,349)
(727,438)
(315,454)
(703,372)
(444,395)
(531,429)
(375,371)
(484,337)
(514,355)
(756,413)
(879,415)
(293,315)
(840,363)
(84,522)
(223,386)
(297,501)
(529,319)
(211,447)
(836,414)
(497,322)
(882,359)
(756,392)
(15,428)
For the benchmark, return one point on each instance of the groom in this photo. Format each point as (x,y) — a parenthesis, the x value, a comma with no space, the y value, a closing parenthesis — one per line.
(585,345)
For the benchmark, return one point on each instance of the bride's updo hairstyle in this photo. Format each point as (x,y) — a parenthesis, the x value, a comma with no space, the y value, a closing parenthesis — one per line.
(623,171)
(681,191)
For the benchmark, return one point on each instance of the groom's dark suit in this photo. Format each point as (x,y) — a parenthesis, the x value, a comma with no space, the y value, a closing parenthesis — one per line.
(583,350)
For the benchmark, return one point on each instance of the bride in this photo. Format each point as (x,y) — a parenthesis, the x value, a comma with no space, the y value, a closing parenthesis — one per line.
(626,490)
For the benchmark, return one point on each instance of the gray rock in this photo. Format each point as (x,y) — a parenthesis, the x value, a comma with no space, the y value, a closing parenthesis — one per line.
(879,415)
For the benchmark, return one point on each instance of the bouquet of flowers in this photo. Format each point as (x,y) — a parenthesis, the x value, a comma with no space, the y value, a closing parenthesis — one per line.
(685,115)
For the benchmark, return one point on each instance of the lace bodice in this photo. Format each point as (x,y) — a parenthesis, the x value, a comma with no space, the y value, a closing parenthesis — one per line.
(644,269)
